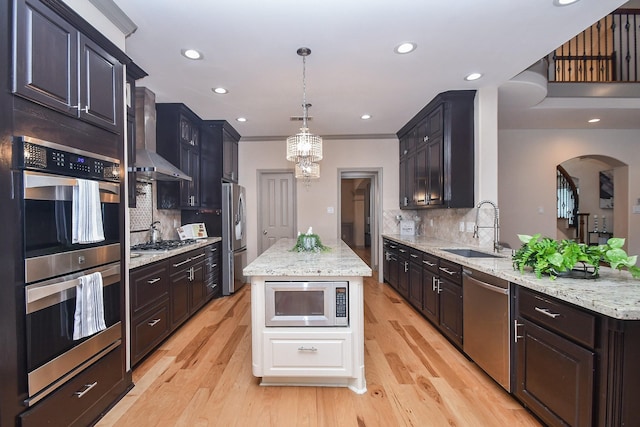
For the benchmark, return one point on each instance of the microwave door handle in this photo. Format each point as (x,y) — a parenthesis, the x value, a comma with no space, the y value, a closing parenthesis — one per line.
(40,292)
(38,180)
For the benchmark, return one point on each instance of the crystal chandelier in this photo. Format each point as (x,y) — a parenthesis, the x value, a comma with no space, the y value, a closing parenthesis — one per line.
(305,148)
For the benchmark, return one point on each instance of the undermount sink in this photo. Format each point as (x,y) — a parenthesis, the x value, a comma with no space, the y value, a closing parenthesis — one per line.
(470,253)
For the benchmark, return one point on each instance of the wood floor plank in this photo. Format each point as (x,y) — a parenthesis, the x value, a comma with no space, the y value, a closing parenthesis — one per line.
(201,376)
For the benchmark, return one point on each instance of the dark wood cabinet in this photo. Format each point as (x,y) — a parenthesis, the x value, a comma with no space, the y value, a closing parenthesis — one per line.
(430,288)
(450,313)
(437,154)
(83,398)
(211,167)
(403,271)
(414,294)
(163,295)
(57,66)
(555,359)
(212,270)
(178,141)
(229,156)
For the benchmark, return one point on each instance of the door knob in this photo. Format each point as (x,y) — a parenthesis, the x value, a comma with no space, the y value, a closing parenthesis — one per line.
(264,232)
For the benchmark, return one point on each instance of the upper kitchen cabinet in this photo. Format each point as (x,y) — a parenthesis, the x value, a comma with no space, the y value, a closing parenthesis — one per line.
(219,159)
(178,141)
(437,155)
(61,68)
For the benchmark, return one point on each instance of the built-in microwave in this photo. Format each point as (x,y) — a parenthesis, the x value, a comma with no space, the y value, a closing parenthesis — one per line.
(312,303)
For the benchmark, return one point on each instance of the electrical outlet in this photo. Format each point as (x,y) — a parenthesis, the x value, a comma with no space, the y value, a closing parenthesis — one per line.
(461,226)
(330,210)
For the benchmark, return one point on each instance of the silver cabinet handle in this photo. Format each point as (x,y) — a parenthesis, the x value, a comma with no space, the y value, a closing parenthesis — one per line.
(154,322)
(152,281)
(402,250)
(515,331)
(182,263)
(191,274)
(87,387)
(406,266)
(449,272)
(197,256)
(430,264)
(414,256)
(546,312)
(303,348)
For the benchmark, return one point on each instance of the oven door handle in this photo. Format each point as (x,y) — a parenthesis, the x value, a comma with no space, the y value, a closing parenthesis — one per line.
(37,293)
(35,180)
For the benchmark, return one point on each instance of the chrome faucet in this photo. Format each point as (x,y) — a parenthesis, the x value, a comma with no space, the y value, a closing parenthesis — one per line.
(496,224)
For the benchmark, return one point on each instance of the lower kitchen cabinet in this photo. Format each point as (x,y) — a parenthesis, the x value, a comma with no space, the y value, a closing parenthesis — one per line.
(82,399)
(287,353)
(167,293)
(432,285)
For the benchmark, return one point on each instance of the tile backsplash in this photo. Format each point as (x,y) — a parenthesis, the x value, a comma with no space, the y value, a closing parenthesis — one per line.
(145,212)
(445,224)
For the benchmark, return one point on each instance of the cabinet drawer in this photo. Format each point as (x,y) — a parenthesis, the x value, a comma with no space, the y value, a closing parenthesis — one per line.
(430,262)
(65,406)
(148,331)
(328,355)
(571,322)
(183,261)
(403,251)
(415,255)
(148,285)
(450,271)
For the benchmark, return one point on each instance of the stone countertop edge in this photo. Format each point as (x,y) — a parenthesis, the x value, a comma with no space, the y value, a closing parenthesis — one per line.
(150,258)
(279,260)
(615,293)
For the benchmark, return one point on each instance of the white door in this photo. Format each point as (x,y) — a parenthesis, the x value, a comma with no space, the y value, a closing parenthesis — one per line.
(276,199)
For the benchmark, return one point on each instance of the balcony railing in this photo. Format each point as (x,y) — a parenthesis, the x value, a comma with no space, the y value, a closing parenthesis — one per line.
(607,51)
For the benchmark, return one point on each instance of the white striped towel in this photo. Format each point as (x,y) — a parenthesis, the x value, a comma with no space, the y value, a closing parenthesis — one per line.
(86,218)
(89,316)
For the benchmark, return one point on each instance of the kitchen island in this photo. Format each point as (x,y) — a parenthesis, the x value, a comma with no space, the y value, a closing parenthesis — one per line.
(309,355)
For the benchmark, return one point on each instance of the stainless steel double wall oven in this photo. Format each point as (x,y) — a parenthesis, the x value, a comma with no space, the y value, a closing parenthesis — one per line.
(54,264)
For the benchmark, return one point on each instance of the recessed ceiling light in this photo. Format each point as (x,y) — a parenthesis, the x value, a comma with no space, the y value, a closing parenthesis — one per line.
(191,54)
(241,119)
(594,120)
(405,47)
(365,116)
(220,90)
(564,2)
(473,76)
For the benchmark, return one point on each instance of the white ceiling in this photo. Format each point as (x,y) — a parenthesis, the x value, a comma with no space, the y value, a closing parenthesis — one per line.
(249,47)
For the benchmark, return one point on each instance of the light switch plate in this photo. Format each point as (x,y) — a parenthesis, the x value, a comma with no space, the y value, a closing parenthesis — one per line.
(636,209)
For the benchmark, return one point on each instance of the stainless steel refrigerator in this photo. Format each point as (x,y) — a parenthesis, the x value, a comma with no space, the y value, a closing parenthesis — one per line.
(234,239)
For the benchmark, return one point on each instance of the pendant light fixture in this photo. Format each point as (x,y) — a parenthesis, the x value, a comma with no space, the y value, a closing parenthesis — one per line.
(305,148)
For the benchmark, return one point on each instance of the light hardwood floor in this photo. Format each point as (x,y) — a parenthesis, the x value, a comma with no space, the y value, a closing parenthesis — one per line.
(201,376)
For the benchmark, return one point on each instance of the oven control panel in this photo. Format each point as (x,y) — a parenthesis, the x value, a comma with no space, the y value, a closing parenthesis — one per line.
(341,304)
(50,157)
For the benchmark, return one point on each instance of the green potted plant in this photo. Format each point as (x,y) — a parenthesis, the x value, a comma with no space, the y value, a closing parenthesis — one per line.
(552,257)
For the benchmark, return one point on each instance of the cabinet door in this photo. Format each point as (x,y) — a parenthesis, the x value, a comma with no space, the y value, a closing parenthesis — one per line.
(198,286)
(415,285)
(190,164)
(386,260)
(451,310)
(430,298)
(407,174)
(403,277)
(100,86)
(394,266)
(435,170)
(421,180)
(212,270)
(180,285)
(148,286)
(45,58)
(555,377)
(230,157)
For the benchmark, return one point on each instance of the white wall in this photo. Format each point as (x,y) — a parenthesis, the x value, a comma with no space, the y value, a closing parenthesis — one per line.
(312,202)
(527,175)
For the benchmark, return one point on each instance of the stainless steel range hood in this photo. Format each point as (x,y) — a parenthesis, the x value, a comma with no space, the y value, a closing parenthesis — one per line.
(149,164)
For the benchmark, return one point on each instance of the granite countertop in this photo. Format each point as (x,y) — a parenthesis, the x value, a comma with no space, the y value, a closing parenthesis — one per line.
(140,259)
(278,260)
(615,293)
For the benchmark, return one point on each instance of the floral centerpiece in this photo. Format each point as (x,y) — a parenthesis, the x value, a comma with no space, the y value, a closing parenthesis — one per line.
(552,257)
(309,242)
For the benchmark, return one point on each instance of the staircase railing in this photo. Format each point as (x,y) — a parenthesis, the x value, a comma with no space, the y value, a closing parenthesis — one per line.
(607,51)
(567,197)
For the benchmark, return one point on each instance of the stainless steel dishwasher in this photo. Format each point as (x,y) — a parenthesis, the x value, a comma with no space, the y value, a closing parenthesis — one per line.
(486,323)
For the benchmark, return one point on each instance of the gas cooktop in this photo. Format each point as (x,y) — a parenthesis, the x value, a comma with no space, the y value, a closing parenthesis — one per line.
(162,246)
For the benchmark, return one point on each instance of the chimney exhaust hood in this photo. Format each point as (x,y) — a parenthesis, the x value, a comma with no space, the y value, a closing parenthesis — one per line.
(150,165)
